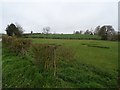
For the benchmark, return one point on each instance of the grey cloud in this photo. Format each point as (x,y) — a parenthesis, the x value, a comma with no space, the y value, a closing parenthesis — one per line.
(61,17)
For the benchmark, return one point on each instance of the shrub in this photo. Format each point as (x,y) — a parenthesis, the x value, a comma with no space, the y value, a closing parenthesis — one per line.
(16,45)
(7,40)
(20,46)
(4,39)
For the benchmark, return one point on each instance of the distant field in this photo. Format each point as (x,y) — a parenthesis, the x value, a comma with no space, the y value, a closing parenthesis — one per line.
(95,66)
(63,36)
(88,53)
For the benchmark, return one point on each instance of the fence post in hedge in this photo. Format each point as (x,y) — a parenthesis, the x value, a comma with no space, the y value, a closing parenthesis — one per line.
(54,61)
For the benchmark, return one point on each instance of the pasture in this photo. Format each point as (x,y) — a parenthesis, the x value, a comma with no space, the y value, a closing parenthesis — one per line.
(63,36)
(95,66)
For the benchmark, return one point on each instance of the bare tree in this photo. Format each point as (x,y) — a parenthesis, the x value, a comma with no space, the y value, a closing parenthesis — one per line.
(19,31)
(46,30)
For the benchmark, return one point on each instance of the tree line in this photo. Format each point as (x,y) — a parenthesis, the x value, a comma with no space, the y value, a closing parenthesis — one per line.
(106,32)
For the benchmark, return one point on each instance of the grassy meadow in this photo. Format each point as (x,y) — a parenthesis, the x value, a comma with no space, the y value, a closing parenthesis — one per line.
(95,65)
(63,36)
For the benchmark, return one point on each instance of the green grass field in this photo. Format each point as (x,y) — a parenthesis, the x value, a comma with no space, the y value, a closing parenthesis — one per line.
(95,66)
(63,36)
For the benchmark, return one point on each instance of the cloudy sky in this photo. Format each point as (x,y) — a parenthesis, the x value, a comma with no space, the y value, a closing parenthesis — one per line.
(62,16)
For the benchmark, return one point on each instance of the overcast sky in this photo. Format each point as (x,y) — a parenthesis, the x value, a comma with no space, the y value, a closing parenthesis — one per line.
(61,16)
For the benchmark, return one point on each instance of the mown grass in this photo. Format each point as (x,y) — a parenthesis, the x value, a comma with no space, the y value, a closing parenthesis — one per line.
(93,66)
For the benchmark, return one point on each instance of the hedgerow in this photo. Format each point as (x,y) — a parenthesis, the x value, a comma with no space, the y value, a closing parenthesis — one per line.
(16,45)
(45,56)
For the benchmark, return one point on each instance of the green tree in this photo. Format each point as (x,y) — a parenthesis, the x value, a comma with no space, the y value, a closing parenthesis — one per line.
(13,29)
(46,30)
(106,32)
(10,29)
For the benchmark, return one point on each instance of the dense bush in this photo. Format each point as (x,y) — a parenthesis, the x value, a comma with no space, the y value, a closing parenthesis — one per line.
(20,46)
(7,40)
(16,45)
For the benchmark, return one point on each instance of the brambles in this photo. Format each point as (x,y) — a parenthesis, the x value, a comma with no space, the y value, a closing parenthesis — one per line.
(7,40)
(17,45)
(21,46)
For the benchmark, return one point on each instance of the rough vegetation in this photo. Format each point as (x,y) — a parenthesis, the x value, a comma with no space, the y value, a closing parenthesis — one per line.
(16,45)
(53,63)
(86,62)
